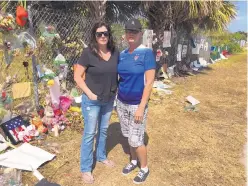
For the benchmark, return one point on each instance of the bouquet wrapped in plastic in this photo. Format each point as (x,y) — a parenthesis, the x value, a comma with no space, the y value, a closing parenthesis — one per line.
(7,23)
(48,33)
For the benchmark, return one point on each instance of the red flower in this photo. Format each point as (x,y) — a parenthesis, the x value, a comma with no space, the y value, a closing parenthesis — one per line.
(21,16)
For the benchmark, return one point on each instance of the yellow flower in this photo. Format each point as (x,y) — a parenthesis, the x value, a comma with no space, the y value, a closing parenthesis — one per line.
(75,109)
(50,82)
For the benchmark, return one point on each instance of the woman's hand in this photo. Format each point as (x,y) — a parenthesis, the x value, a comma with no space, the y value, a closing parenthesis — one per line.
(139,115)
(92,97)
(78,77)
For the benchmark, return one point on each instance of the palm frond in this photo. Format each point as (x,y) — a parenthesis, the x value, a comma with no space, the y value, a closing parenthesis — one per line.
(121,11)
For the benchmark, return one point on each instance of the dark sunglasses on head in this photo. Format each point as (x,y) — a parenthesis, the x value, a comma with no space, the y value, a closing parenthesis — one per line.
(105,34)
(132,31)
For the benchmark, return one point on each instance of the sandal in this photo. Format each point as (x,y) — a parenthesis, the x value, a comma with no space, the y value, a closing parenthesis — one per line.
(88,177)
(108,163)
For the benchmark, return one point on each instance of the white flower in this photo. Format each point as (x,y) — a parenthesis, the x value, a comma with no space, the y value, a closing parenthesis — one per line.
(57,36)
(10,16)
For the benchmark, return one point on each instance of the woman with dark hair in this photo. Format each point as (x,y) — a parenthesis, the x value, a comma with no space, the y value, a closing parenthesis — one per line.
(99,64)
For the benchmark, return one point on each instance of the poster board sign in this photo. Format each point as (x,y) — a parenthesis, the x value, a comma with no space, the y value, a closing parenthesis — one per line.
(167,38)
(148,38)
(179,52)
(184,51)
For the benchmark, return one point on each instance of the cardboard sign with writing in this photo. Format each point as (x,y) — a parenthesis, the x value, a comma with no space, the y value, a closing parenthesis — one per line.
(21,90)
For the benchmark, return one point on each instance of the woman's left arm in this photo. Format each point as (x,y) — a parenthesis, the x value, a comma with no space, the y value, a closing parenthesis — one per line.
(149,80)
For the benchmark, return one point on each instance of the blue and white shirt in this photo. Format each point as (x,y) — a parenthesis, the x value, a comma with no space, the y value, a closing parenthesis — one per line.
(131,70)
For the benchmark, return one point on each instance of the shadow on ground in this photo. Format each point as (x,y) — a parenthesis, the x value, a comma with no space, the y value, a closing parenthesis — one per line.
(208,68)
(115,137)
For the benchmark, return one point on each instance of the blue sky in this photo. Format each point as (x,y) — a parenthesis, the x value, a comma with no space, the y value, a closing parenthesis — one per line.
(240,23)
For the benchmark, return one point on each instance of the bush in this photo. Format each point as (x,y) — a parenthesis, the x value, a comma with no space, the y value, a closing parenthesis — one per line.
(234,48)
(214,55)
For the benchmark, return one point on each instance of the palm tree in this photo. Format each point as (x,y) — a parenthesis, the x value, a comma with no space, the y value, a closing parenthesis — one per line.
(121,11)
(113,11)
(183,17)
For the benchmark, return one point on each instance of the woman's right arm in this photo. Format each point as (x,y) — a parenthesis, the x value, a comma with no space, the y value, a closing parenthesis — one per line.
(78,77)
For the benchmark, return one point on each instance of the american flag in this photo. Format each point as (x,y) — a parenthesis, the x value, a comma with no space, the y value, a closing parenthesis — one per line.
(15,126)
(14,123)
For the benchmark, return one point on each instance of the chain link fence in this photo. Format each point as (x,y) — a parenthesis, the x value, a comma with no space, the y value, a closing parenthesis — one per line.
(54,31)
(60,35)
(12,68)
(71,31)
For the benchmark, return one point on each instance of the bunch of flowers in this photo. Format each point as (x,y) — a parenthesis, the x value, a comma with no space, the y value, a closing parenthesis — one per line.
(7,22)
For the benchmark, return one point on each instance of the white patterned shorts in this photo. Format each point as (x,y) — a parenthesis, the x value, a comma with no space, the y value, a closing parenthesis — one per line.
(133,131)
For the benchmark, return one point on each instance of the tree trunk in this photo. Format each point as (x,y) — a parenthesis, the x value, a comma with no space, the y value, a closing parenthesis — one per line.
(172,57)
(98,9)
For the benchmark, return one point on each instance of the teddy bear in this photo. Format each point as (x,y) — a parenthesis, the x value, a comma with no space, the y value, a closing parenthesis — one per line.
(37,122)
(49,118)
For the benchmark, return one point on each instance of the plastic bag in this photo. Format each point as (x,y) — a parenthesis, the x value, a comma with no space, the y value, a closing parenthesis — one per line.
(60,66)
(10,177)
(12,47)
(59,60)
(28,42)
(26,37)
(74,92)
(63,70)
(48,74)
(48,33)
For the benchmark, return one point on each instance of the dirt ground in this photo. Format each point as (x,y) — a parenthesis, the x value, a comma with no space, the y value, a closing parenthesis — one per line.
(185,148)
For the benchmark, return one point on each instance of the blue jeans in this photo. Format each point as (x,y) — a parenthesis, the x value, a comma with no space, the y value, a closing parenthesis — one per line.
(95,113)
